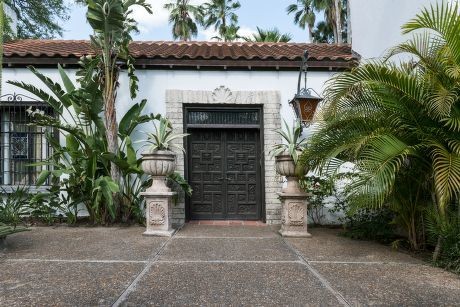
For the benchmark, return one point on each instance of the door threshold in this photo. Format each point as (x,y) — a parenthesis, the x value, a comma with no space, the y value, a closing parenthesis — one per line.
(227,222)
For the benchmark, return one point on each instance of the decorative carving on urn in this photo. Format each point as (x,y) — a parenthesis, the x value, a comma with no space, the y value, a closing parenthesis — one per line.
(296,213)
(157,214)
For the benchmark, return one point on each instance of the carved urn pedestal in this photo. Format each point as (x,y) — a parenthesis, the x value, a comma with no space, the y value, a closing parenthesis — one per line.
(158,197)
(294,215)
(293,199)
(158,213)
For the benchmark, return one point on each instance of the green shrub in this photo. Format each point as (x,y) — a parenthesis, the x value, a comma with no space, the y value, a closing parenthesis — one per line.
(6,230)
(14,205)
(370,224)
(20,203)
(445,231)
(319,188)
(81,166)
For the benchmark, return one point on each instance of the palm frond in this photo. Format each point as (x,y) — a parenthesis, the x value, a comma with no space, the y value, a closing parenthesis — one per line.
(443,19)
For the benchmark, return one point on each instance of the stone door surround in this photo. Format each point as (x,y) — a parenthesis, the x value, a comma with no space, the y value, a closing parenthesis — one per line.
(271,105)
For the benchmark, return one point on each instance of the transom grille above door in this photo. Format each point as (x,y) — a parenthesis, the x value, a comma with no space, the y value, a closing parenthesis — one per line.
(223,118)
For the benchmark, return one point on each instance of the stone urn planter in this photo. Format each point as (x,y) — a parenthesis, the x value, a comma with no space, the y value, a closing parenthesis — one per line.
(285,166)
(159,164)
(293,198)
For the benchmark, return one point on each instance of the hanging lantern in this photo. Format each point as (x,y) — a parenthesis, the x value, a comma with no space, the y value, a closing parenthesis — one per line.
(305,102)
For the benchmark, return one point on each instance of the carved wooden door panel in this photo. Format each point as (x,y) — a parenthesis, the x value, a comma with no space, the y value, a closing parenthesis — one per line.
(206,164)
(242,165)
(224,172)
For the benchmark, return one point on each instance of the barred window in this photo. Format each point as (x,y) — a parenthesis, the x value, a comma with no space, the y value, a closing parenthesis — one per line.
(21,144)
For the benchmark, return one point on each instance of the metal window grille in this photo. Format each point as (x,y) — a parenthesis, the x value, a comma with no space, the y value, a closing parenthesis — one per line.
(21,144)
(225,117)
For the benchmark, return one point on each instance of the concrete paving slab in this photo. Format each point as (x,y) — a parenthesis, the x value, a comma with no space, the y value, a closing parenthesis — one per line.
(64,284)
(326,245)
(88,243)
(194,230)
(211,249)
(224,284)
(393,284)
(212,265)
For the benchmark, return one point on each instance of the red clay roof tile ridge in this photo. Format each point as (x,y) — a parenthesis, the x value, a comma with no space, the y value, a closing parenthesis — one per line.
(290,51)
(210,43)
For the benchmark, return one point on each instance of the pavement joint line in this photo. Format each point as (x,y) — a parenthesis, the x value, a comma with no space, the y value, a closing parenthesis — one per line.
(73,260)
(151,261)
(201,237)
(230,261)
(318,275)
(364,262)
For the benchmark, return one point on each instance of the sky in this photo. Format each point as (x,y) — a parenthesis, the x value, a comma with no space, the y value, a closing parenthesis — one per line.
(265,14)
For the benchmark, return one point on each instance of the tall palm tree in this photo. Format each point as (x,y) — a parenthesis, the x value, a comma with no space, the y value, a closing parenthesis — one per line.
(399,124)
(230,35)
(221,15)
(271,35)
(304,15)
(332,14)
(323,33)
(183,16)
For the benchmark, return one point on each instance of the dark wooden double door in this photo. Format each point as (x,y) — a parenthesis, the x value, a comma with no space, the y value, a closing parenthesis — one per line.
(225,174)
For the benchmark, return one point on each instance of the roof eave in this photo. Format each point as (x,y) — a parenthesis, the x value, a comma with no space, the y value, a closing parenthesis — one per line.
(160,63)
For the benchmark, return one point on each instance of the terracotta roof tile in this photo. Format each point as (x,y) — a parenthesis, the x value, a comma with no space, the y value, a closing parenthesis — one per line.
(186,50)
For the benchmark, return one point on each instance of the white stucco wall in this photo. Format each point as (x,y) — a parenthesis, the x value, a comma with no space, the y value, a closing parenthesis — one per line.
(376,24)
(154,83)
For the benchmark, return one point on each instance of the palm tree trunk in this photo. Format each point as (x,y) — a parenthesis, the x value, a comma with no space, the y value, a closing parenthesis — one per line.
(349,33)
(110,114)
(334,30)
(338,22)
(224,29)
(413,232)
(112,134)
(437,249)
(458,207)
(310,34)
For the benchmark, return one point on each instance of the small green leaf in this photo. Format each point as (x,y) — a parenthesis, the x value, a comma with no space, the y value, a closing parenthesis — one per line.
(43,177)
(72,142)
(66,80)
